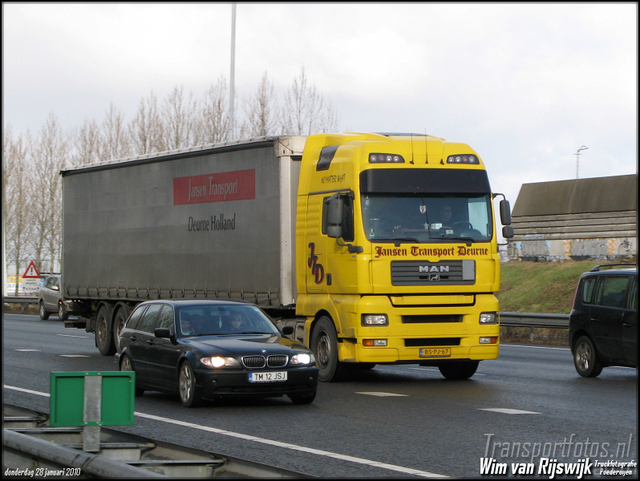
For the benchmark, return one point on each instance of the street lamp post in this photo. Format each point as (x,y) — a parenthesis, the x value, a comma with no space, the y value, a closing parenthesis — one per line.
(577,154)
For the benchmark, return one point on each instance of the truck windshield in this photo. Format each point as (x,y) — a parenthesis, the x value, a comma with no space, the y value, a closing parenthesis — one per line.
(421,218)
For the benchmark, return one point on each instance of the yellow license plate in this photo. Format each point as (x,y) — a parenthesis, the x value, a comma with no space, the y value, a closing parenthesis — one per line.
(435,352)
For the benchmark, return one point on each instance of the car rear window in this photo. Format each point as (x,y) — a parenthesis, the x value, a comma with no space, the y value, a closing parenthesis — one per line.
(611,291)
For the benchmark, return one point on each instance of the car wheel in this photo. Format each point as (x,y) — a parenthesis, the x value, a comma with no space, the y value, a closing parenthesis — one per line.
(457,370)
(104,335)
(189,395)
(585,358)
(44,314)
(324,344)
(125,365)
(62,312)
(302,398)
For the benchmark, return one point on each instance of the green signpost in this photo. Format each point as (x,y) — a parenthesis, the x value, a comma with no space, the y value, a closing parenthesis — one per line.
(91,400)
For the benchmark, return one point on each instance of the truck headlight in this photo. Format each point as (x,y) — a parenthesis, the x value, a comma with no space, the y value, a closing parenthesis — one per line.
(375,320)
(488,318)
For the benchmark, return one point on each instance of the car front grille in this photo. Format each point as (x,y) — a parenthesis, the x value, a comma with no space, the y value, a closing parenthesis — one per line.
(277,361)
(253,361)
(260,361)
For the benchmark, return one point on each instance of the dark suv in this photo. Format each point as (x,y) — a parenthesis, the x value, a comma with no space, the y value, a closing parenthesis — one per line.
(602,323)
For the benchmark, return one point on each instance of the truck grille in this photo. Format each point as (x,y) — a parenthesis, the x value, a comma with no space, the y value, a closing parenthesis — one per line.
(424,319)
(424,273)
(442,341)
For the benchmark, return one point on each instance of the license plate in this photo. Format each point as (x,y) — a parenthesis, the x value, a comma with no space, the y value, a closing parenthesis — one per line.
(268,376)
(435,352)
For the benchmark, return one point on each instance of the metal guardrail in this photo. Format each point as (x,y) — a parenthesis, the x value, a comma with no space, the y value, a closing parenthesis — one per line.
(20,299)
(533,320)
(509,319)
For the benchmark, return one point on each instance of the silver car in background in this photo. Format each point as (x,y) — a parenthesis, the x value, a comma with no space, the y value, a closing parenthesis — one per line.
(51,299)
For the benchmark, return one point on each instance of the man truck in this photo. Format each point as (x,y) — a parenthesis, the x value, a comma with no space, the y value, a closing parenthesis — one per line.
(341,238)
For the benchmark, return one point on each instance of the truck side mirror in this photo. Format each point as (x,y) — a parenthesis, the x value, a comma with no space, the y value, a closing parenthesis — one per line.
(505,212)
(505,217)
(335,213)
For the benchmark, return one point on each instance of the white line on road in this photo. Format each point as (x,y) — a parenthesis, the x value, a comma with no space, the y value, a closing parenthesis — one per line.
(507,411)
(270,442)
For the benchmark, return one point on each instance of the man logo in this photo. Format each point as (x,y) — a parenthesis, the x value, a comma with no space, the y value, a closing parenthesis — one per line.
(433,268)
(434,277)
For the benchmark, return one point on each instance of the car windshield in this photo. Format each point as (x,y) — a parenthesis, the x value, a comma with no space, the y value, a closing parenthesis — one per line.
(223,320)
(420,218)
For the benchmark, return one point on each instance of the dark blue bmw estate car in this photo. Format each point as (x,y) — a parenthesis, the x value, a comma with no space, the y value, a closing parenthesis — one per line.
(204,349)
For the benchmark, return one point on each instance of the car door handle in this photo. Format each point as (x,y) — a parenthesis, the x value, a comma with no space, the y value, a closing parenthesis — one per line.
(150,342)
(133,338)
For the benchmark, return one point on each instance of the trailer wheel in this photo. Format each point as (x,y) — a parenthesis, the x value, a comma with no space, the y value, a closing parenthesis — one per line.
(118,323)
(324,344)
(44,314)
(104,335)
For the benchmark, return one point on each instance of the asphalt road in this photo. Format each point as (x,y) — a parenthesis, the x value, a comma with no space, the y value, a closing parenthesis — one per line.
(394,421)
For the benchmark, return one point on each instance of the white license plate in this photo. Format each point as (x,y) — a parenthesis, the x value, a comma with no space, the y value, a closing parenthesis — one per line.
(268,376)
(435,352)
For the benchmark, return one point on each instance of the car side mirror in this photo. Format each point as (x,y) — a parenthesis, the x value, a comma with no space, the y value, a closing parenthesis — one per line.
(163,332)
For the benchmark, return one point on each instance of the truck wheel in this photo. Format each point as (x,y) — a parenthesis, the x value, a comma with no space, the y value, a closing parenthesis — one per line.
(118,323)
(456,370)
(324,344)
(585,358)
(104,335)
(44,314)
(189,395)
(62,312)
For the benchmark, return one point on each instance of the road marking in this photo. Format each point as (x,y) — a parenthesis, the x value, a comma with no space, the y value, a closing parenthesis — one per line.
(73,355)
(508,411)
(28,350)
(270,442)
(71,335)
(381,394)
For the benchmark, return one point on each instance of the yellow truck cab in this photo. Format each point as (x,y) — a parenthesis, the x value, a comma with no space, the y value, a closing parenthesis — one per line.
(396,253)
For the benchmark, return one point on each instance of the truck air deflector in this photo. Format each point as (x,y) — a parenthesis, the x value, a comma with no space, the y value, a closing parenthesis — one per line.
(432,181)
(326,156)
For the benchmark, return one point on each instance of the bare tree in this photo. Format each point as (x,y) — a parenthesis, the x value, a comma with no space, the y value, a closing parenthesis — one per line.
(304,110)
(114,134)
(178,116)
(87,144)
(214,114)
(260,111)
(48,152)
(16,206)
(146,129)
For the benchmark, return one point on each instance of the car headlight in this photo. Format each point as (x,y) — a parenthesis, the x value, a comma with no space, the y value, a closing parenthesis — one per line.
(488,318)
(219,361)
(303,358)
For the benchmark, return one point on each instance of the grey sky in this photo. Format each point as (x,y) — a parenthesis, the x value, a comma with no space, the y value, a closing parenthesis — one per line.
(524,84)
